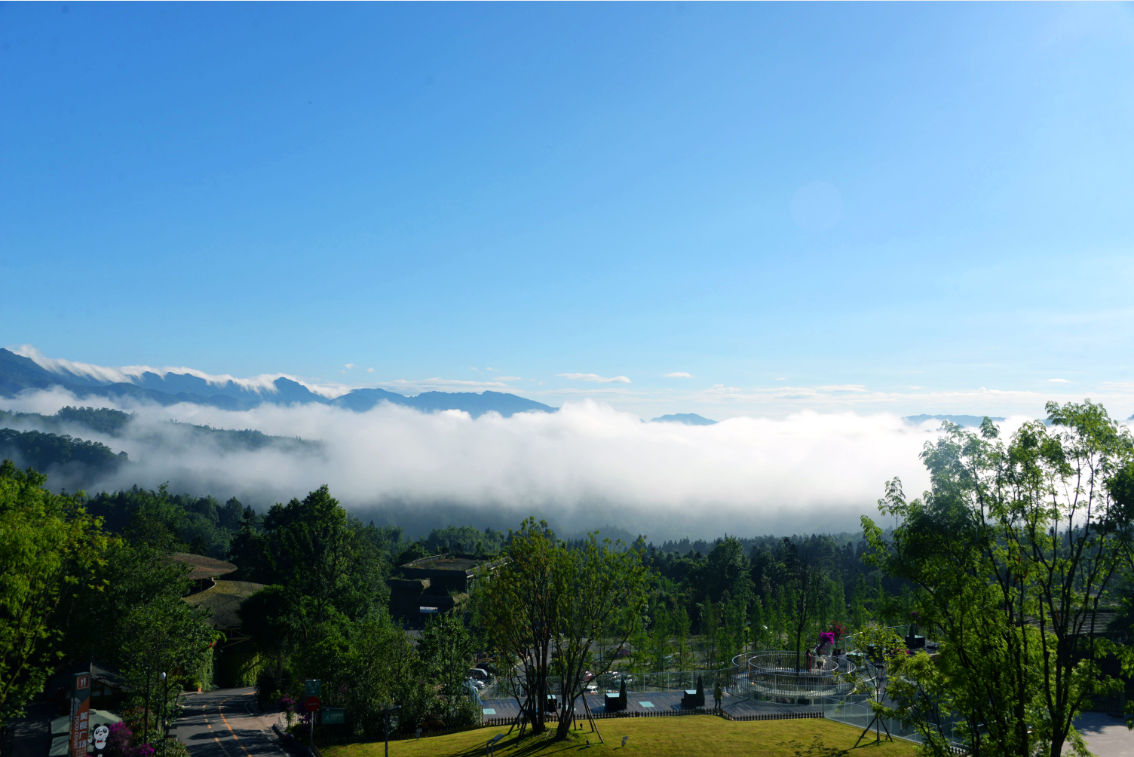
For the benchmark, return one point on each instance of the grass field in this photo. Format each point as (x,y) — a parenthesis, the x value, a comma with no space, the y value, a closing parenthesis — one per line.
(655,737)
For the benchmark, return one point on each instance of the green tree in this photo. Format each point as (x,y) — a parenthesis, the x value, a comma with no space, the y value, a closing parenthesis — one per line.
(802,569)
(884,651)
(727,569)
(371,687)
(269,621)
(1013,550)
(446,652)
(519,608)
(321,554)
(681,629)
(660,635)
(49,549)
(710,632)
(599,591)
(163,636)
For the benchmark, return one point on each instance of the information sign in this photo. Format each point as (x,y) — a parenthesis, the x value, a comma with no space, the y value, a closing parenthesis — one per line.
(313,687)
(334,716)
(80,714)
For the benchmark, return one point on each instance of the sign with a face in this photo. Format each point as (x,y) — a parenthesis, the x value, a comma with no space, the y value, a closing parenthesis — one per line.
(101,734)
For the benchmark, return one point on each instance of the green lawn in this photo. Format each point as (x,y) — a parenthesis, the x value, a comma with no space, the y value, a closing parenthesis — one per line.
(656,737)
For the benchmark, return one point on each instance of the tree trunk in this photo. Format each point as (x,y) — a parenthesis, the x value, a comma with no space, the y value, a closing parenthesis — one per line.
(565,721)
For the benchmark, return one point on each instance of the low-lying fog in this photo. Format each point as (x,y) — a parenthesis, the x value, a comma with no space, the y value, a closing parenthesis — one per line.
(586,466)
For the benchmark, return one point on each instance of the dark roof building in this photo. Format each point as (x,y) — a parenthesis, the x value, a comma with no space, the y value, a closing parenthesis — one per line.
(433,585)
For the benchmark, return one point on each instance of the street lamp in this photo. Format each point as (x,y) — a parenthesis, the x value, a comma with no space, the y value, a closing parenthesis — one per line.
(146,714)
(387,712)
(164,704)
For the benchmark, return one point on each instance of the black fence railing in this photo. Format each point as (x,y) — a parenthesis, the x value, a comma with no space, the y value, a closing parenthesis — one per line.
(334,739)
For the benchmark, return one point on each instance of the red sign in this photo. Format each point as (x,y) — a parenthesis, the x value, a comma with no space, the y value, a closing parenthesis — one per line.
(312,703)
(80,714)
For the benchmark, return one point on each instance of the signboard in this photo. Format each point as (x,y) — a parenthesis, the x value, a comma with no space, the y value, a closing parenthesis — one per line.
(428,610)
(313,687)
(311,704)
(80,714)
(334,716)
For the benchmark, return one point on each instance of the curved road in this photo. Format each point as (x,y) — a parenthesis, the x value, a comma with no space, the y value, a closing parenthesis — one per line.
(224,723)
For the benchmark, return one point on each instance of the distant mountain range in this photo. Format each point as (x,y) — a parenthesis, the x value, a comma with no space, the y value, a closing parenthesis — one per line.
(18,373)
(960,420)
(689,419)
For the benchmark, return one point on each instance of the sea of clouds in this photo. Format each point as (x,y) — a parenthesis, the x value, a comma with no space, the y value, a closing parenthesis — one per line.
(586,466)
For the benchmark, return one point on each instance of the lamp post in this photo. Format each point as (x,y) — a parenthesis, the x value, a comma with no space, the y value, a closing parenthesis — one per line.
(146,714)
(164,705)
(387,712)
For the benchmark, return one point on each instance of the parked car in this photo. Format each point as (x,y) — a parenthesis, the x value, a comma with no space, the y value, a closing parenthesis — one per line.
(479,674)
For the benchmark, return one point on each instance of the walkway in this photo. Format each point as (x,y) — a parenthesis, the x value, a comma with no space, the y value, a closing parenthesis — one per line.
(653,702)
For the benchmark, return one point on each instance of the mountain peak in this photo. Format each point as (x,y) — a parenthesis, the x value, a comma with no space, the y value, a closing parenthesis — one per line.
(19,373)
(688,419)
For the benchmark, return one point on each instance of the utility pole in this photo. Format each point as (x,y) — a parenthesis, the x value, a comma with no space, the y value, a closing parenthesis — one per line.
(164,711)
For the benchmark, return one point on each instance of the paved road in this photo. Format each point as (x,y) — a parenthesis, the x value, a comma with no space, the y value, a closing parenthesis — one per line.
(223,723)
(1106,736)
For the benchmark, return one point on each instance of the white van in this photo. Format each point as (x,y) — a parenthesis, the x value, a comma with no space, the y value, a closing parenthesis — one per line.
(478,674)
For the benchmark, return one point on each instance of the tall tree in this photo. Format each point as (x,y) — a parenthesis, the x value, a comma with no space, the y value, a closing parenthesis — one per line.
(446,651)
(802,569)
(600,595)
(519,608)
(1013,550)
(320,553)
(49,548)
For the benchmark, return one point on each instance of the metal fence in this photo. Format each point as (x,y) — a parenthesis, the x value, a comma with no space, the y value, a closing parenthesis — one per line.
(655,681)
(781,676)
(857,712)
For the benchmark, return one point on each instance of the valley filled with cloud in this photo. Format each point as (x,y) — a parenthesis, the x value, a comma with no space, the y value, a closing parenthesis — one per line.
(585,466)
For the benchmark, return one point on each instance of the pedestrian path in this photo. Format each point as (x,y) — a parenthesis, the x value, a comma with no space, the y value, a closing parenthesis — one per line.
(651,703)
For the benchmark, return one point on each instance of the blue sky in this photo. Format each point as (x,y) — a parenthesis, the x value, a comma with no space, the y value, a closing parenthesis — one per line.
(908,208)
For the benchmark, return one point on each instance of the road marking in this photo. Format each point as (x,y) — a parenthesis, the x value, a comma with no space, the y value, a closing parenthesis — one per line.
(229,727)
(221,745)
(226,725)
(269,733)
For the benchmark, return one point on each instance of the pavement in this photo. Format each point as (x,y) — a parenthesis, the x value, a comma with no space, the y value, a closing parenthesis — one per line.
(1106,735)
(651,702)
(30,736)
(226,723)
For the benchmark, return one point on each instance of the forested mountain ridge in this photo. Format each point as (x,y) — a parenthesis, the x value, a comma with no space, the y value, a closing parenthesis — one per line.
(18,373)
(51,443)
(116,423)
(75,460)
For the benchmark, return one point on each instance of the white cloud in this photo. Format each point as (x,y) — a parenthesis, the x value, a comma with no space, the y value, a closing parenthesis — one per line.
(679,374)
(595,378)
(370,370)
(434,384)
(348,366)
(130,373)
(1059,381)
(509,378)
(586,466)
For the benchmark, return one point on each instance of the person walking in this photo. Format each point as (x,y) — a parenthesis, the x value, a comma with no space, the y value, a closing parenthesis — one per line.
(718,694)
